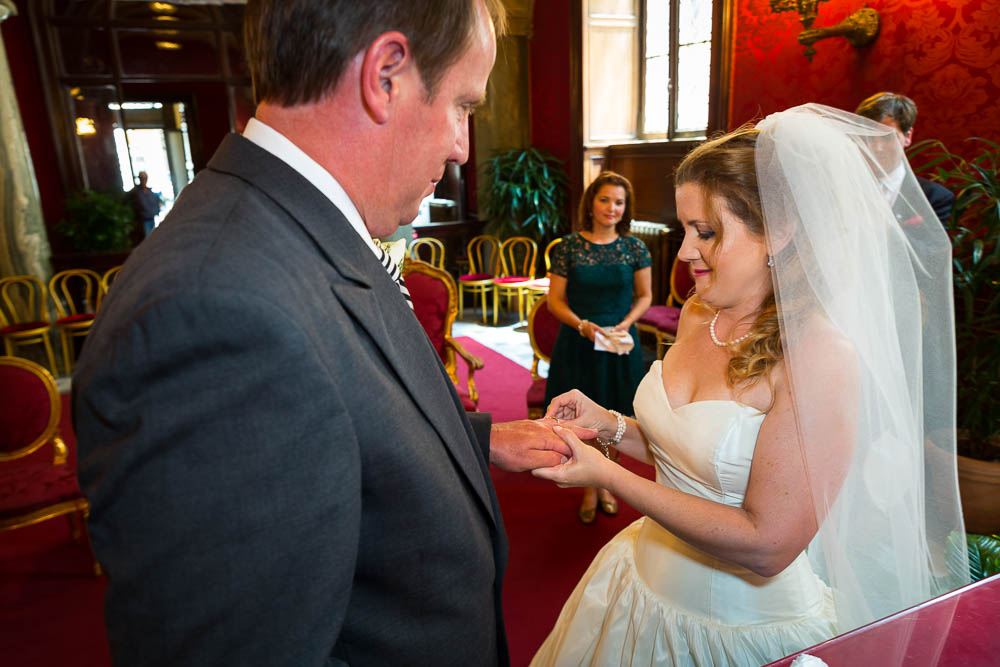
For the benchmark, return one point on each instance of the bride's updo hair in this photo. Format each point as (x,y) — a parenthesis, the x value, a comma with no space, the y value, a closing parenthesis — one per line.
(724,168)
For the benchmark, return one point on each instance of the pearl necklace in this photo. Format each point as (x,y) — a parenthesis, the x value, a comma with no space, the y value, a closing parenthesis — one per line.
(711,331)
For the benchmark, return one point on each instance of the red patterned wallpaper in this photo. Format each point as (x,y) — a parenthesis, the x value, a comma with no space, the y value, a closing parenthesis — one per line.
(945,54)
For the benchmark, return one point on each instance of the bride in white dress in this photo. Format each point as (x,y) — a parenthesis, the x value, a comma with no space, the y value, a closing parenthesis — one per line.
(801,427)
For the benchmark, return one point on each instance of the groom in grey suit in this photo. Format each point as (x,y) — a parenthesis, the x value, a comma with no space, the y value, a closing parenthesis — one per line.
(279,469)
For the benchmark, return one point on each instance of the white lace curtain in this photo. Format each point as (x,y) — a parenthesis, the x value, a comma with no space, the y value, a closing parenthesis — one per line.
(24,243)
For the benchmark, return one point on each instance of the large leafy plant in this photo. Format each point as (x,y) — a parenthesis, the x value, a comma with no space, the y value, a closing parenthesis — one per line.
(97,222)
(526,194)
(974,228)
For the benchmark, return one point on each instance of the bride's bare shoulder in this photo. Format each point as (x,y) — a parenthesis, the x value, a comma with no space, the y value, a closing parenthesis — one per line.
(825,350)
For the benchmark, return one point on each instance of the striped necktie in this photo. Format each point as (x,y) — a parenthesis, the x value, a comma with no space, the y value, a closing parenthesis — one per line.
(393,270)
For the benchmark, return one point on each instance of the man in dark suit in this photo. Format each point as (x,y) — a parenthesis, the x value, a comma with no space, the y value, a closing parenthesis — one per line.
(279,469)
(900,113)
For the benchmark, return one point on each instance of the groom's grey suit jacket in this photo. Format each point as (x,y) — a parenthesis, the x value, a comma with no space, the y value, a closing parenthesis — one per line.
(279,469)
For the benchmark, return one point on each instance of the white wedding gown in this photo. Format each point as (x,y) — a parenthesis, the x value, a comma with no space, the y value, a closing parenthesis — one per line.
(651,599)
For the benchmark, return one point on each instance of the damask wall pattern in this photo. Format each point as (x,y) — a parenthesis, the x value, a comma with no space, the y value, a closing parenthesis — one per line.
(945,54)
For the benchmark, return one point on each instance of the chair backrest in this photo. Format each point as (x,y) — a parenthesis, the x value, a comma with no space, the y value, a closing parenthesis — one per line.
(517,257)
(681,282)
(434,248)
(484,254)
(29,407)
(108,278)
(542,330)
(75,292)
(22,300)
(548,253)
(435,303)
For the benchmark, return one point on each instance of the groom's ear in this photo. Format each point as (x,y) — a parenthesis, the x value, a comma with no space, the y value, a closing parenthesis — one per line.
(383,66)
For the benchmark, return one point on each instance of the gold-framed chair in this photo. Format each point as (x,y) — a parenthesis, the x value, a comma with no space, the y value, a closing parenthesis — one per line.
(661,321)
(33,489)
(517,270)
(23,316)
(543,327)
(108,278)
(483,255)
(434,250)
(76,294)
(540,286)
(433,292)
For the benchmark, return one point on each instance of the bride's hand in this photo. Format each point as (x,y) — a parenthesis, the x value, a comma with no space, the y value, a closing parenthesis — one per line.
(575,409)
(587,466)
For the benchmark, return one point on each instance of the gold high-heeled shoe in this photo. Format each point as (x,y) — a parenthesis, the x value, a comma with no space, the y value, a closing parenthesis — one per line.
(587,515)
(609,507)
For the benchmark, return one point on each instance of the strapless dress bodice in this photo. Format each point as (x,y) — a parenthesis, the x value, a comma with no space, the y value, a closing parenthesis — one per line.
(651,598)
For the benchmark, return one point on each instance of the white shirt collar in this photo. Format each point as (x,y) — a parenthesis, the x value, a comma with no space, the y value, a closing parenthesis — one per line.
(893,182)
(282,148)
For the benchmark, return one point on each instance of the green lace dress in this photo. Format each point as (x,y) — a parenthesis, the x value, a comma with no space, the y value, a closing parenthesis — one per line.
(599,280)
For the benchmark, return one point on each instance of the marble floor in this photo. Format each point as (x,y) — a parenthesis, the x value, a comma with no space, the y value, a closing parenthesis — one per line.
(508,338)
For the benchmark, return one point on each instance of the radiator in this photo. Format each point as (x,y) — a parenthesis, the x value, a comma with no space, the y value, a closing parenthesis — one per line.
(658,238)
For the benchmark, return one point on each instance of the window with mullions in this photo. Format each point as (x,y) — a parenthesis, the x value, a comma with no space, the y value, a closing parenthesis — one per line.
(647,69)
(677,60)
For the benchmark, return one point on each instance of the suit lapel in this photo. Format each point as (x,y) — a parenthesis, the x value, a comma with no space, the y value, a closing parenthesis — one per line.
(369,295)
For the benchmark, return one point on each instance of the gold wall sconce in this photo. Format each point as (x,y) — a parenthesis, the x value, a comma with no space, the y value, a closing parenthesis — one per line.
(860,28)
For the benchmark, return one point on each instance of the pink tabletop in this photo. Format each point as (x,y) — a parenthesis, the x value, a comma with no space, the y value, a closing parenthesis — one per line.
(957,628)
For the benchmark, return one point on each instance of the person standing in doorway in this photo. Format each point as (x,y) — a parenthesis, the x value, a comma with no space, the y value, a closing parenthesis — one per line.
(146,203)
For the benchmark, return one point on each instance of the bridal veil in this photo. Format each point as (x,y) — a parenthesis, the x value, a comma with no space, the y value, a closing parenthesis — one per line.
(859,252)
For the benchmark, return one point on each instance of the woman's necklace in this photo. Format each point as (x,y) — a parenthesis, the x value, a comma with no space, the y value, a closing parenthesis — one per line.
(715,339)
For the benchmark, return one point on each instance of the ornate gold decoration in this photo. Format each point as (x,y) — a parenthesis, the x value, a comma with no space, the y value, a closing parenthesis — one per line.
(806,9)
(860,28)
(451,346)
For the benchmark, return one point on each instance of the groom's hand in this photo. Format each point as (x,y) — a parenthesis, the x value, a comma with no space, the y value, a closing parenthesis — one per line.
(526,444)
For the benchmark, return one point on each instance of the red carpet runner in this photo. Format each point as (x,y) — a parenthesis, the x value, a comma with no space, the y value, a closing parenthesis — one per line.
(50,603)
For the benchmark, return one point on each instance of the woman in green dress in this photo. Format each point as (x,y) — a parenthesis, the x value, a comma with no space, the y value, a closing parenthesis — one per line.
(599,278)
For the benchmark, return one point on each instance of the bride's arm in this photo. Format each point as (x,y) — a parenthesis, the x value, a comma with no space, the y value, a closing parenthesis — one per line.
(777,519)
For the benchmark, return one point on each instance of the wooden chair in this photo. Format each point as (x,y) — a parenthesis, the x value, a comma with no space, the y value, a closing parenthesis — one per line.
(23,316)
(77,296)
(540,286)
(108,278)
(435,250)
(433,292)
(483,254)
(661,321)
(542,330)
(33,489)
(517,270)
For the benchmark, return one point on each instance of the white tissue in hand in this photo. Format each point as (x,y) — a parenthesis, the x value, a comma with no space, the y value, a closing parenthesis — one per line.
(806,660)
(609,340)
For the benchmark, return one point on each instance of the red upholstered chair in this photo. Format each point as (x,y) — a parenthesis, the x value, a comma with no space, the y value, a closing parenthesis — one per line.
(76,294)
(433,293)
(483,255)
(34,489)
(661,321)
(542,329)
(23,316)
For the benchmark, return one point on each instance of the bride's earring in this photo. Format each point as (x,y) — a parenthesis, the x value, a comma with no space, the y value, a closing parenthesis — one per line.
(770,260)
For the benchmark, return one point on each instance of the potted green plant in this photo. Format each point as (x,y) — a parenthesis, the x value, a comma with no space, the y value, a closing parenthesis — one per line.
(526,194)
(97,222)
(974,228)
